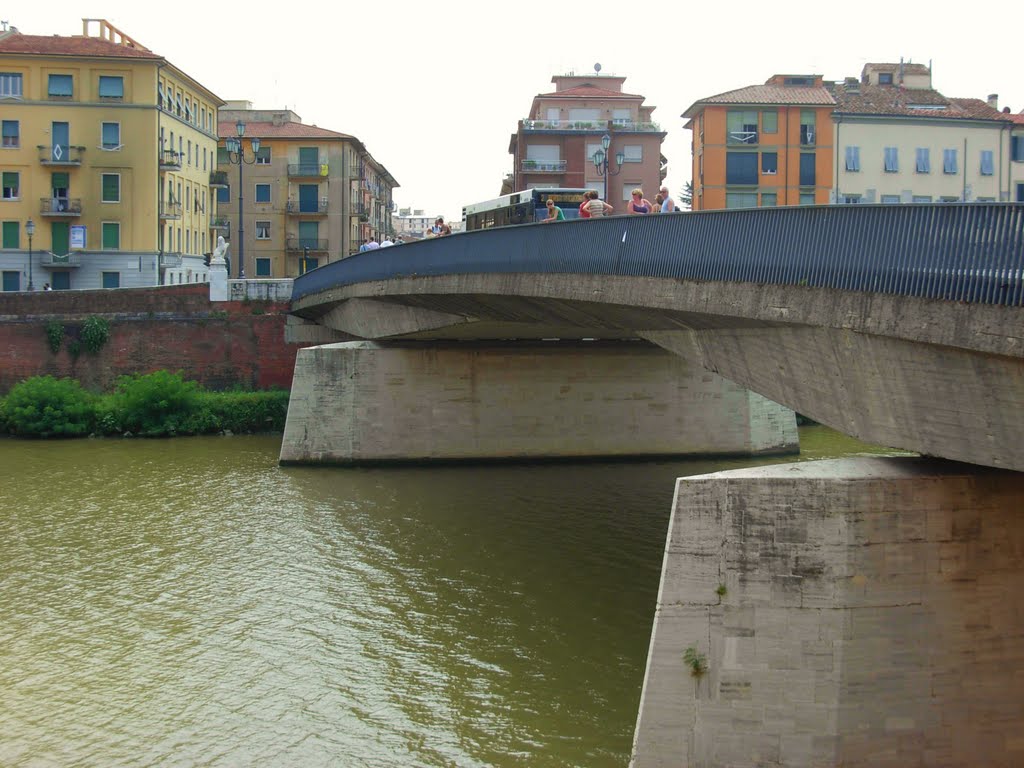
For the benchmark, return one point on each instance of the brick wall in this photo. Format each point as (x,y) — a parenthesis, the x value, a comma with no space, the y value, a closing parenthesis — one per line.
(173,327)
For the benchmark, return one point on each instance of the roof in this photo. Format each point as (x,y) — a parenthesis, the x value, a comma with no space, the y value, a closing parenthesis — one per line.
(56,45)
(767,94)
(587,91)
(268,130)
(908,68)
(860,99)
(1017,119)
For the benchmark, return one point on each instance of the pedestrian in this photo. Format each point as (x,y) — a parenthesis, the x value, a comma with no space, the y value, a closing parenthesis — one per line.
(638,203)
(386,242)
(657,203)
(46,286)
(667,203)
(398,240)
(440,228)
(554,212)
(598,207)
(587,197)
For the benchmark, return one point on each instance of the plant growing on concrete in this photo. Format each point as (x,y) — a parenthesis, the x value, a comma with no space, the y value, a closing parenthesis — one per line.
(721,590)
(55,335)
(696,661)
(95,333)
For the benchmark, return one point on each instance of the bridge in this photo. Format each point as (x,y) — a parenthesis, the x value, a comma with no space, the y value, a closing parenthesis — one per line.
(861,612)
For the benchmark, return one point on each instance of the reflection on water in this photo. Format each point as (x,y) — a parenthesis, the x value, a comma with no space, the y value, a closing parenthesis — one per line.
(190,602)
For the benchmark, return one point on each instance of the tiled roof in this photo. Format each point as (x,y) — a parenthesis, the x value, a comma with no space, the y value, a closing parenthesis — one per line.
(767,94)
(860,99)
(1017,119)
(588,91)
(282,131)
(56,45)
(908,68)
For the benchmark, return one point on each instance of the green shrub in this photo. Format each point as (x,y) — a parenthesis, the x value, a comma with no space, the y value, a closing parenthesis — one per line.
(95,333)
(154,404)
(249,411)
(47,407)
(74,348)
(54,335)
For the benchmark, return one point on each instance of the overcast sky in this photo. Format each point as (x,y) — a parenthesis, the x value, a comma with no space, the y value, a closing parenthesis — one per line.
(434,89)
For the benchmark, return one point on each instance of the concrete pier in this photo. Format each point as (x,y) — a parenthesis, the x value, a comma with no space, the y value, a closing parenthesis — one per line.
(871,614)
(362,401)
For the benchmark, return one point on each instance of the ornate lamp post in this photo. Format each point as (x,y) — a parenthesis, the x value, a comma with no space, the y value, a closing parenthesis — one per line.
(30,229)
(601,162)
(236,156)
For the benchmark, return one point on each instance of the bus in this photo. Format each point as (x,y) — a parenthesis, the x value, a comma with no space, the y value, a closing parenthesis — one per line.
(522,207)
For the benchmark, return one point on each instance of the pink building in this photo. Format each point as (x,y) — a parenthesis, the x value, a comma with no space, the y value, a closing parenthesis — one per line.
(555,145)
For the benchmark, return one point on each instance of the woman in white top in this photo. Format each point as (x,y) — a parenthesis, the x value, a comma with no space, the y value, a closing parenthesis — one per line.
(598,208)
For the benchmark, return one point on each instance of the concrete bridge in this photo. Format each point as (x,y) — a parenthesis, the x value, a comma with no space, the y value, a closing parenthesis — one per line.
(867,612)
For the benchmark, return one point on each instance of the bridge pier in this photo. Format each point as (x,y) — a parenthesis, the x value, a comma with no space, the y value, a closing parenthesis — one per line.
(358,402)
(873,615)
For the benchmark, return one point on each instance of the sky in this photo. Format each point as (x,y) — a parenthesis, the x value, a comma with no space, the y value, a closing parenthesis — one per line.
(435,90)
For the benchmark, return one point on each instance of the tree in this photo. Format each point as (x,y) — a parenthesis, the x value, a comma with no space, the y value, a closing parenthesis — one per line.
(686,196)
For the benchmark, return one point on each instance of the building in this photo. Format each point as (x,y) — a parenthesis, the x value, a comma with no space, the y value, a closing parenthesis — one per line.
(898,140)
(763,145)
(109,149)
(309,196)
(555,145)
(1017,156)
(412,224)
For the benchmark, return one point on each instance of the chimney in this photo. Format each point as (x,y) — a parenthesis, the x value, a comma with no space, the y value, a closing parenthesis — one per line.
(993,100)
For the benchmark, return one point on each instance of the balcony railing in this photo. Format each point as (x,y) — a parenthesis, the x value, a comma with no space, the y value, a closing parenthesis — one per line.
(218,179)
(314,208)
(170,260)
(543,166)
(50,259)
(170,160)
(170,210)
(357,172)
(356,209)
(219,223)
(623,126)
(307,169)
(299,244)
(60,154)
(60,206)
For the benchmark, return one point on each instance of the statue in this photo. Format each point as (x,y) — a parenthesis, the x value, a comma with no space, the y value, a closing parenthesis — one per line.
(221,251)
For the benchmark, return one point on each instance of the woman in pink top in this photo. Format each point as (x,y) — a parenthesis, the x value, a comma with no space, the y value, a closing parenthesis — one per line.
(639,204)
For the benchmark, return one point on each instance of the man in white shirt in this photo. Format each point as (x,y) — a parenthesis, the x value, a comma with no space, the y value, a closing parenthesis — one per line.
(386,242)
(667,203)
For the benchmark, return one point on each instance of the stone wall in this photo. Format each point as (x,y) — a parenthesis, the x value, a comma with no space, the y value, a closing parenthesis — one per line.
(220,344)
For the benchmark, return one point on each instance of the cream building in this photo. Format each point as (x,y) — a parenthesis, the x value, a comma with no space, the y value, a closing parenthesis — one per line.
(897,140)
(109,151)
(1017,158)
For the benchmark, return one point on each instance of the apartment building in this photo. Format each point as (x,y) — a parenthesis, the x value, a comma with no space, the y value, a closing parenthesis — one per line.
(107,149)
(898,140)
(763,145)
(1017,157)
(310,195)
(555,146)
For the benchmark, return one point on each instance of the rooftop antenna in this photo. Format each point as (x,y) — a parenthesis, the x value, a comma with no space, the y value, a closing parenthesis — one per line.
(4,22)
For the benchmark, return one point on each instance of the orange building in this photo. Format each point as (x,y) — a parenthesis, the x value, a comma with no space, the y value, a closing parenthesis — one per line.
(763,145)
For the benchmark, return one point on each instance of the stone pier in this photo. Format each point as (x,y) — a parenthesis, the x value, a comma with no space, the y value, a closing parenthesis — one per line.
(859,612)
(357,402)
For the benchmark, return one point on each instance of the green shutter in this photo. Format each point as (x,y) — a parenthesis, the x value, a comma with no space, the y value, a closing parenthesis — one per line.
(111,236)
(111,188)
(59,180)
(12,234)
(60,237)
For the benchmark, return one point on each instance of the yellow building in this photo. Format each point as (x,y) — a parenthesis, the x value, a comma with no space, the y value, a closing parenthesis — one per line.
(110,151)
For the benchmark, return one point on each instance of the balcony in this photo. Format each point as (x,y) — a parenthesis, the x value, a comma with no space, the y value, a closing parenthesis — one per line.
(307,170)
(218,179)
(170,260)
(170,160)
(621,126)
(170,210)
(219,223)
(357,173)
(49,259)
(300,244)
(60,154)
(543,166)
(60,207)
(356,209)
(314,208)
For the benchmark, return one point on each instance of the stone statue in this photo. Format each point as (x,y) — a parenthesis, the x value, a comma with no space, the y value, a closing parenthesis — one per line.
(221,251)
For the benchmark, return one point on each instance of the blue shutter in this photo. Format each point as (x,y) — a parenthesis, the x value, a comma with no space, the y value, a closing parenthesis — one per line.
(924,163)
(987,165)
(949,161)
(892,163)
(853,158)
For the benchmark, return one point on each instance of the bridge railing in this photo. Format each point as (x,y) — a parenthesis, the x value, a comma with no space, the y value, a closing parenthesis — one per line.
(970,252)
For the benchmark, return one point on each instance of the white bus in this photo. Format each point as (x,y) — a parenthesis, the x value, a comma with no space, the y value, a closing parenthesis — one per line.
(522,207)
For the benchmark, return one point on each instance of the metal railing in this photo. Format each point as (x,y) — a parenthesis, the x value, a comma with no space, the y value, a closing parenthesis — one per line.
(170,260)
(170,210)
(307,169)
(50,259)
(60,206)
(60,154)
(540,166)
(970,252)
(299,244)
(170,160)
(625,126)
(356,209)
(219,223)
(218,178)
(314,207)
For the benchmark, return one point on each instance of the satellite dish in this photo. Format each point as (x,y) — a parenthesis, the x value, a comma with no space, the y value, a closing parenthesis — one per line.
(597,67)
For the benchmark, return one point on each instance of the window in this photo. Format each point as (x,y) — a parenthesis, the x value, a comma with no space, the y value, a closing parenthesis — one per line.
(177,101)
(949,164)
(1016,147)
(224,194)
(10,85)
(262,230)
(591,151)
(60,280)
(891,160)
(769,199)
(885,78)
(111,87)
(12,280)
(741,127)
(807,126)
(741,168)
(949,199)
(808,178)
(890,199)
(633,153)
(853,159)
(923,162)
(806,198)
(11,133)
(262,193)
(770,121)
(769,163)
(741,199)
(11,184)
(160,95)
(111,188)
(110,135)
(851,199)
(922,198)
(111,238)
(11,234)
(60,87)
(262,267)
(987,164)
(190,152)
(111,279)
(263,156)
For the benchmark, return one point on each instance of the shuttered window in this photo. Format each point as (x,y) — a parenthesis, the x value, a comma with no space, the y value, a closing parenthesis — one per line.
(111,188)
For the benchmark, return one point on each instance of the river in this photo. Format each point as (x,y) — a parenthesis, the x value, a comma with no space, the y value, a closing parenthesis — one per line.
(189,602)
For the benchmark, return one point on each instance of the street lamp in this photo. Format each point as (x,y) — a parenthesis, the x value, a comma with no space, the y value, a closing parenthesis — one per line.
(236,156)
(30,229)
(601,162)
